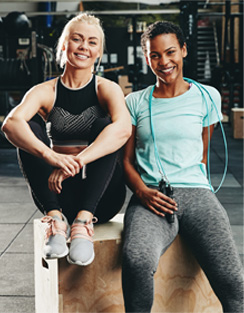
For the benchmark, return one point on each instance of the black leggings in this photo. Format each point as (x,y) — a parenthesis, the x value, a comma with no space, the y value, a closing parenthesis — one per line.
(102,192)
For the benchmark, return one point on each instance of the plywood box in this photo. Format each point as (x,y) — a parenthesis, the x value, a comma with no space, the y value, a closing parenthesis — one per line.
(237,122)
(180,284)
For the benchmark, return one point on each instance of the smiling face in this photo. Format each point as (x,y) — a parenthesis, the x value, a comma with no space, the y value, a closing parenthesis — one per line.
(83,45)
(165,57)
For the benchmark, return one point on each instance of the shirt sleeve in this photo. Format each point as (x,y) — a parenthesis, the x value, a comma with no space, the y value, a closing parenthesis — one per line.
(130,102)
(214,114)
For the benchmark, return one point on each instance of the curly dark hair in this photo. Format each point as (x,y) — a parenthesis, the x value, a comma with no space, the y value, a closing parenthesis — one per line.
(161,27)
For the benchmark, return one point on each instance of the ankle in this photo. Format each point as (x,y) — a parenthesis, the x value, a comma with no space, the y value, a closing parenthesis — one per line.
(85,216)
(53,213)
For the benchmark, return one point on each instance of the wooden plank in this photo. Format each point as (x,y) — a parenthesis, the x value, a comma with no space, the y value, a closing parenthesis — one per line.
(46,275)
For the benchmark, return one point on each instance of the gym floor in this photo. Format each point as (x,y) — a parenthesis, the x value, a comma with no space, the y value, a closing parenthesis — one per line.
(17,210)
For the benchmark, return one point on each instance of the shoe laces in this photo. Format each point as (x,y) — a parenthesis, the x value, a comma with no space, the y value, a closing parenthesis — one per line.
(54,226)
(83,230)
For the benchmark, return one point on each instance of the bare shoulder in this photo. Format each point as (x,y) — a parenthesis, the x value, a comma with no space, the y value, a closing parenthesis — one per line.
(44,90)
(43,94)
(106,86)
(40,98)
(111,97)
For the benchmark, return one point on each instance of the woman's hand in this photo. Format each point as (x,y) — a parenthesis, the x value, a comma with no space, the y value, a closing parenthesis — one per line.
(55,180)
(69,164)
(156,201)
(59,174)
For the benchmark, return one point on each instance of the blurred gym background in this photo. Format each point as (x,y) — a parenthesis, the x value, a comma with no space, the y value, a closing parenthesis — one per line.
(213,28)
(28,34)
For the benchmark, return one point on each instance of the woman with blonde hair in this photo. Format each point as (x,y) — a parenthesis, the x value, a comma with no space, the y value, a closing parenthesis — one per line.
(73,165)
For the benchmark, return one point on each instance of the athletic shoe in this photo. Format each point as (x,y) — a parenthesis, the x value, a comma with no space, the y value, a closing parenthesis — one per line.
(57,233)
(81,250)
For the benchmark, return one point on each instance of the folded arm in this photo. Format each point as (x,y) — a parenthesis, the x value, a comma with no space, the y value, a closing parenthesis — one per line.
(19,133)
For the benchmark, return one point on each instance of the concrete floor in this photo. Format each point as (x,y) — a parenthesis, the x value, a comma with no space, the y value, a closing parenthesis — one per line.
(17,211)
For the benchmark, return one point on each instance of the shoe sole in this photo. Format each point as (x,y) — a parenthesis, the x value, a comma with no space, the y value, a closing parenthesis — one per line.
(81,263)
(57,256)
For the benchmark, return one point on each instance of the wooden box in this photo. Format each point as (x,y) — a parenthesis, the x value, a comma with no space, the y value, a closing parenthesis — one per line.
(180,284)
(237,122)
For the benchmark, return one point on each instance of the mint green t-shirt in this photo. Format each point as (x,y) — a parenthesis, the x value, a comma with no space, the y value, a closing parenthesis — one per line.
(178,124)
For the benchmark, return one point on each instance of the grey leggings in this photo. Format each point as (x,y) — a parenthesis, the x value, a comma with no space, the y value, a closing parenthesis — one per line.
(204,225)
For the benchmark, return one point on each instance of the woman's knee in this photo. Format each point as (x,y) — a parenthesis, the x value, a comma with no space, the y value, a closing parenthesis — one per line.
(140,262)
(137,282)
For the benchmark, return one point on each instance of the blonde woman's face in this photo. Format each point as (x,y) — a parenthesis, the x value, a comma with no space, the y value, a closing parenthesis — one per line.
(83,45)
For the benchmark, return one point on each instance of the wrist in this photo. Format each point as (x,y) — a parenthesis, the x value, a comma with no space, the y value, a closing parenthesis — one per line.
(46,153)
(80,160)
(139,191)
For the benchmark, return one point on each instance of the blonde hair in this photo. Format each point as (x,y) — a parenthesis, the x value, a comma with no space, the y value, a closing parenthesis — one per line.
(81,18)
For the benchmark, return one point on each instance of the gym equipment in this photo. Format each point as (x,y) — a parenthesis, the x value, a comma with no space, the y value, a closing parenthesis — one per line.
(16,23)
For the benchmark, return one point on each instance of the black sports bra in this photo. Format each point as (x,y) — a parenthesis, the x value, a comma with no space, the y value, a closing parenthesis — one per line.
(73,114)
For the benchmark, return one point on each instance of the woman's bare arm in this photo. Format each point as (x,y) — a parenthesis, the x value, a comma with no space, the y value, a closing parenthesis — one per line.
(205,142)
(39,99)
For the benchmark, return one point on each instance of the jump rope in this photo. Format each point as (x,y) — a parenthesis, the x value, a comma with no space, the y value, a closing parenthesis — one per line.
(204,92)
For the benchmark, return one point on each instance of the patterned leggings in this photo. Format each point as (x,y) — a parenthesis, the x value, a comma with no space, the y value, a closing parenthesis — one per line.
(102,192)
(204,225)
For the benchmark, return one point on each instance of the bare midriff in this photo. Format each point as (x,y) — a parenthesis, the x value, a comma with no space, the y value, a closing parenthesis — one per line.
(74,150)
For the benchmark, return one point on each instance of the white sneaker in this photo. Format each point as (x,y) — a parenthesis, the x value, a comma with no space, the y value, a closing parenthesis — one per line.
(57,233)
(81,250)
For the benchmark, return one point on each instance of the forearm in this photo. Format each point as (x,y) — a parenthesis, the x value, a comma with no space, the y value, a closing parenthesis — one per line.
(133,179)
(205,139)
(112,138)
(19,133)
